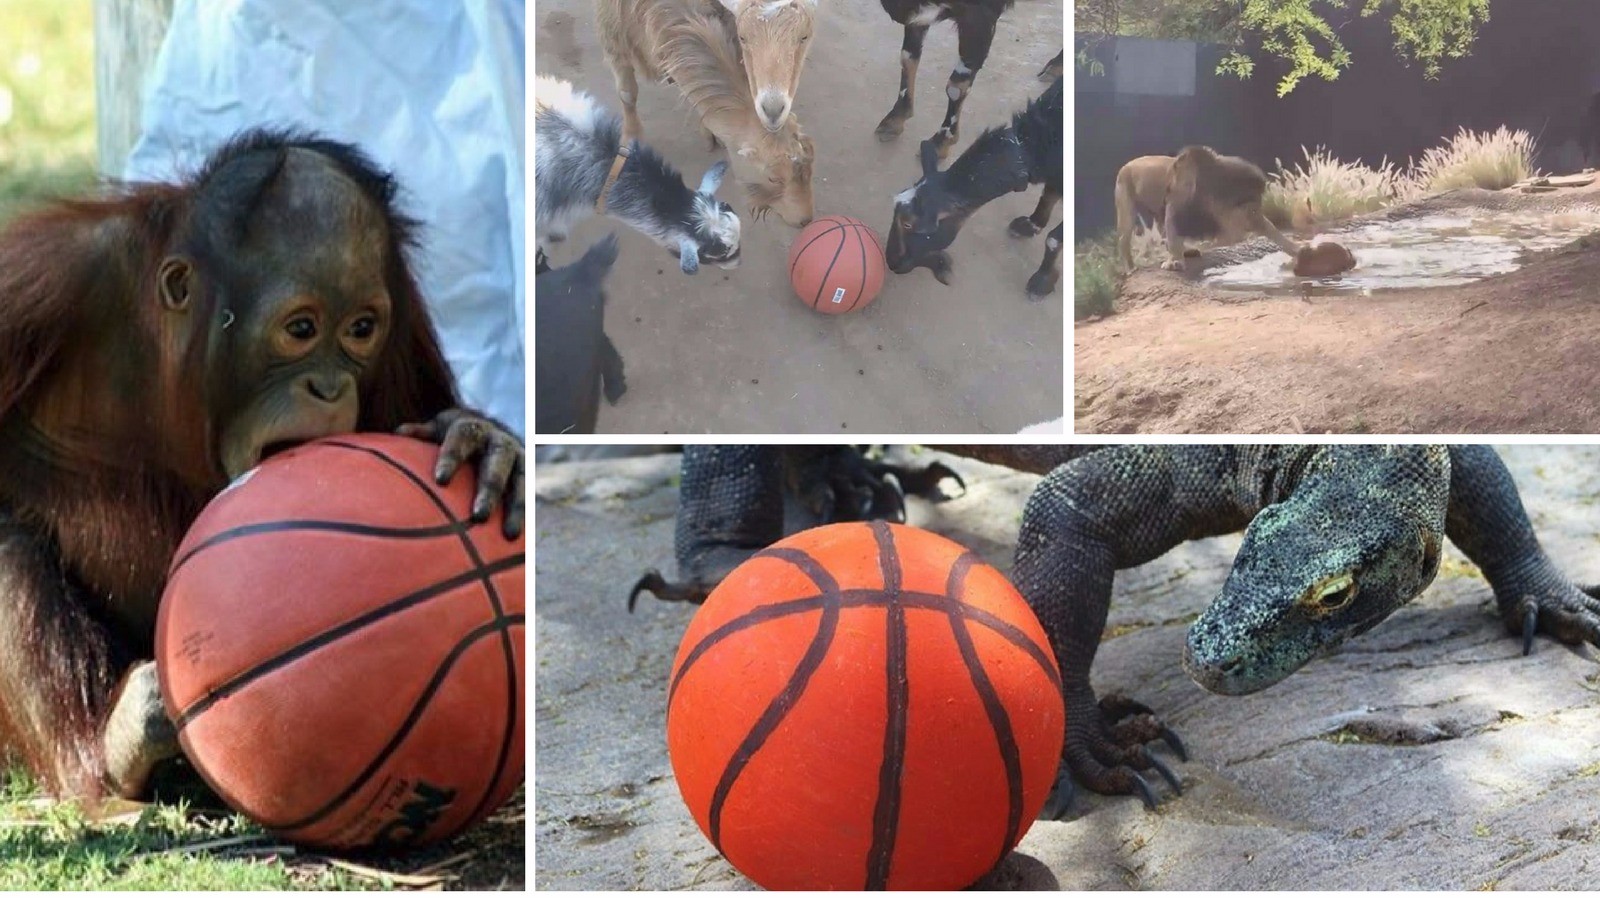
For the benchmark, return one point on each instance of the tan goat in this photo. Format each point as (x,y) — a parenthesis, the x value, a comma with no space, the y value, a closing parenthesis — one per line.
(774,38)
(689,42)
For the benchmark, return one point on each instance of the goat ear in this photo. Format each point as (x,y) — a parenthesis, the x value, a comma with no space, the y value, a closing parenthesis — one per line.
(688,256)
(713,177)
(930,159)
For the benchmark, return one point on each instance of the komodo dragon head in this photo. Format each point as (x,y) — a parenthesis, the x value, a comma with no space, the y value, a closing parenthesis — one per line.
(1358,537)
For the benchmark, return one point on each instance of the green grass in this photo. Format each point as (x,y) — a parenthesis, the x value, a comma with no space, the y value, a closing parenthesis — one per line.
(1492,161)
(1096,279)
(177,845)
(47,126)
(1324,189)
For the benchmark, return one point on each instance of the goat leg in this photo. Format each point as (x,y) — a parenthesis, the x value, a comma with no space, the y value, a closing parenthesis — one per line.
(611,377)
(1052,69)
(975,32)
(1044,281)
(1028,225)
(910,55)
(628,89)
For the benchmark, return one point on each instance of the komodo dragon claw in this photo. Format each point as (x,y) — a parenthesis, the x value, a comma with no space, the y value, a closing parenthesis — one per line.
(1570,620)
(924,482)
(665,590)
(1161,768)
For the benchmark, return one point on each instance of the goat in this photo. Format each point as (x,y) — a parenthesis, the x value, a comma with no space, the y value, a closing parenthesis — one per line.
(580,166)
(929,214)
(573,356)
(774,38)
(689,44)
(1052,69)
(975,22)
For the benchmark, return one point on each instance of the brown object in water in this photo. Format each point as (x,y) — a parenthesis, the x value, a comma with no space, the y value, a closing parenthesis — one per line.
(1325,260)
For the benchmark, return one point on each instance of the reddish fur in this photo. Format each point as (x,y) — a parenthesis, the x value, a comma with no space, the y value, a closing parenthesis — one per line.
(92,519)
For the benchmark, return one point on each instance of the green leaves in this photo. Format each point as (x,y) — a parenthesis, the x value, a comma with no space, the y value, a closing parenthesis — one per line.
(1301,32)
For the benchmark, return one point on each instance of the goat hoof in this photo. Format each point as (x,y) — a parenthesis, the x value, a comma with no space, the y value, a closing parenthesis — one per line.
(1023,226)
(1040,287)
(889,129)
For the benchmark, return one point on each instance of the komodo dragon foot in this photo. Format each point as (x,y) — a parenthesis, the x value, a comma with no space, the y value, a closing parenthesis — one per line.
(1106,750)
(843,484)
(1571,615)
(731,504)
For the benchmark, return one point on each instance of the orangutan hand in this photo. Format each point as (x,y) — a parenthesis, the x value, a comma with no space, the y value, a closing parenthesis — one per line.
(502,464)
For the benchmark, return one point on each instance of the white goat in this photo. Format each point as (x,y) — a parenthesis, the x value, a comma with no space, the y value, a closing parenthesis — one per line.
(580,167)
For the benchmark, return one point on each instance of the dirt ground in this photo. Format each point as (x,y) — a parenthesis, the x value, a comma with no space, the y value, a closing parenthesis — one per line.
(1509,354)
(735,351)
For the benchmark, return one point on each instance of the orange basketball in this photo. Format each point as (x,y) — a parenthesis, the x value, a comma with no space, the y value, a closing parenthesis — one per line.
(864,706)
(836,264)
(342,648)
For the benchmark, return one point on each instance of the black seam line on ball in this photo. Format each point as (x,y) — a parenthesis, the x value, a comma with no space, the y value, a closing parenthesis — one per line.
(999,719)
(862,244)
(807,565)
(886,813)
(496,607)
(417,708)
(784,701)
(866,598)
(818,236)
(816,301)
(304,525)
(244,678)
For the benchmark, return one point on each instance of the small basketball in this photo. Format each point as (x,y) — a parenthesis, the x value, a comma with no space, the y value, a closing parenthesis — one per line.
(1324,260)
(864,706)
(836,264)
(342,648)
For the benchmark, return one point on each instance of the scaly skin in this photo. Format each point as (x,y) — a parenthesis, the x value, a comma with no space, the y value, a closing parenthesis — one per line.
(1336,539)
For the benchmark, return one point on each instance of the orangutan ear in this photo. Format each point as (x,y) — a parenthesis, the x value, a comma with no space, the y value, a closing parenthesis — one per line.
(175,282)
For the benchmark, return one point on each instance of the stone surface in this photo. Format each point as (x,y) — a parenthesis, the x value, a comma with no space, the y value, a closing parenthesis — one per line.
(1425,754)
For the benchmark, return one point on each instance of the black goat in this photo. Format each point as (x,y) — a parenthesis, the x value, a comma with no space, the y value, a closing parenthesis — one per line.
(975,21)
(1052,69)
(929,214)
(572,354)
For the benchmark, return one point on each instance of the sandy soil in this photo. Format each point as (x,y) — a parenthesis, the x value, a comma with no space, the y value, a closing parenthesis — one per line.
(1510,354)
(735,351)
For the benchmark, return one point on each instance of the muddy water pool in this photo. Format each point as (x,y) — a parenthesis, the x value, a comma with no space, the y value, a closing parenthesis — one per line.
(1435,250)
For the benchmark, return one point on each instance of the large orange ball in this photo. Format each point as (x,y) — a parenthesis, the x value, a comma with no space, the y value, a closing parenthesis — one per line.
(342,648)
(864,706)
(836,264)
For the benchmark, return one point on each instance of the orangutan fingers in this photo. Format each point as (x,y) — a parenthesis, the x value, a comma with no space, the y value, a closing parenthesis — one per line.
(516,498)
(495,471)
(464,437)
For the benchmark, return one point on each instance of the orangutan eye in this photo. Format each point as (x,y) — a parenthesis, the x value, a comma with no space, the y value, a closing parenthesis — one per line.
(364,327)
(301,328)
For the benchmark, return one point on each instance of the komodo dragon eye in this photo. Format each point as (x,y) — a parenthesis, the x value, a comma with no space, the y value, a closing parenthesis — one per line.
(1329,595)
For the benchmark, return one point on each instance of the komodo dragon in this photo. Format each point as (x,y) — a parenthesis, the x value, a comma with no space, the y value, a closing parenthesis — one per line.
(1336,539)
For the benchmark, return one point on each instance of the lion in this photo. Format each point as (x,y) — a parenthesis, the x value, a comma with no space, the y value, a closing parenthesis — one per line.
(1198,195)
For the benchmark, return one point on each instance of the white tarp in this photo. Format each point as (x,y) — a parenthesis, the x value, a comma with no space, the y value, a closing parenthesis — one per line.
(431,90)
